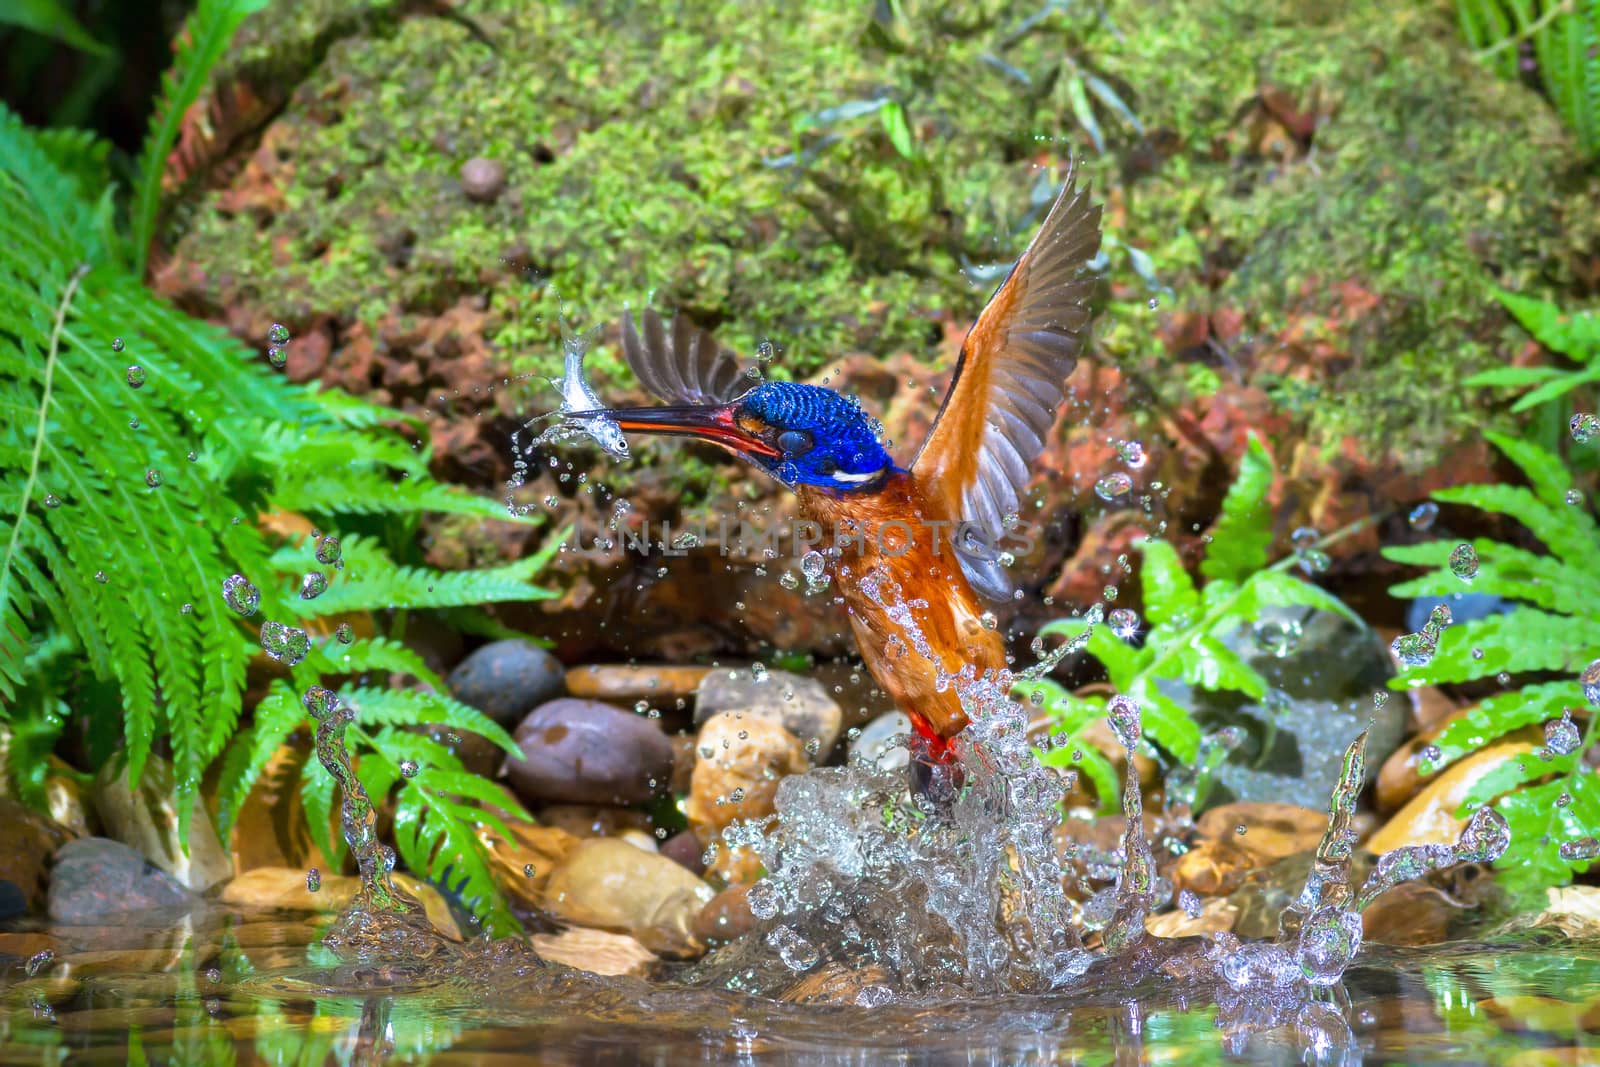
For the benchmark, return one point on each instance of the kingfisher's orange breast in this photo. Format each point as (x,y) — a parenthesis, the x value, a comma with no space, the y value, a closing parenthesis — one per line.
(896,550)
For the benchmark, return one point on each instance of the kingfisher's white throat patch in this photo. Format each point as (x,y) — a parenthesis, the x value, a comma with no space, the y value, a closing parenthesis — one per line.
(856,479)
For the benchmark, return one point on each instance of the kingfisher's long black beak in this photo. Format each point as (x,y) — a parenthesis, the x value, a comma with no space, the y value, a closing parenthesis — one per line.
(710,422)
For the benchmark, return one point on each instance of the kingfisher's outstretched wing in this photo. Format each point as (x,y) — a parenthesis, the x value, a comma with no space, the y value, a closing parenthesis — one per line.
(684,366)
(1011,378)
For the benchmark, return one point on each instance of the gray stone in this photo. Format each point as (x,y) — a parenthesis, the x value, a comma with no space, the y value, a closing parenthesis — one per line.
(1322,671)
(800,704)
(876,742)
(507,679)
(585,752)
(95,877)
(482,179)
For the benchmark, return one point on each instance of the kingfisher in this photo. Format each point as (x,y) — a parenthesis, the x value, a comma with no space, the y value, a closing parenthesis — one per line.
(920,538)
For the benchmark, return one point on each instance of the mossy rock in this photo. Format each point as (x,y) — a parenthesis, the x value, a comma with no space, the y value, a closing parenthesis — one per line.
(1341,183)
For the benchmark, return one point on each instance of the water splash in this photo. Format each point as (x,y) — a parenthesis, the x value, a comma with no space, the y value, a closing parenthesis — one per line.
(578,396)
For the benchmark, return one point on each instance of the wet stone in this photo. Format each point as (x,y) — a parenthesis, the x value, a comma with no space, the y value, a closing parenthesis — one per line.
(726,915)
(800,704)
(742,758)
(95,877)
(659,684)
(597,951)
(507,679)
(877,745)
(145,817)
(287,889)
(1430,816)
(585,752)
(592,820)
(27,841)
(613,885)
(685,849)
(1271,831)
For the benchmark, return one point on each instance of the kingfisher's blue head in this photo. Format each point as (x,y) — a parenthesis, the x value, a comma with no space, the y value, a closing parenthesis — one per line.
(800,434)
(824,439)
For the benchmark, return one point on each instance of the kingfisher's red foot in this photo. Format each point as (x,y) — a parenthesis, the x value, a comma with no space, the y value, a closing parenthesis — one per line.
(938,751)
(935,770)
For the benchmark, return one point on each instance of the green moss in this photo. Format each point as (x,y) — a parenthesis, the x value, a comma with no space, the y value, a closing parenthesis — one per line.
(645,156)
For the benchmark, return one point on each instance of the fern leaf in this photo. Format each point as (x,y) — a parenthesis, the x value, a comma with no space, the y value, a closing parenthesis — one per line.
(436,837)
(1570,533)
(201,45)
(1243,531)
(371,581)
(367,492)
(1169,592)
(414,707)
(1575,334)
(318,794)
(1502,713)
(1524,639)
(1550,480)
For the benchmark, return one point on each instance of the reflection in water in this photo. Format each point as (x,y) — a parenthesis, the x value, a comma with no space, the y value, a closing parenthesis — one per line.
(241,987)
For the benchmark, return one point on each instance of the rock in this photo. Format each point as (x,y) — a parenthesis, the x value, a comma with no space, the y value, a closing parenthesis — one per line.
(582,751)
(523,865)
(662,683)
(270,828)
(507,679)
(482,179)
(597,951)
(1320,697)
(685,849)
(1574,910)
(801,704)
(613,885)
(95,877)
(726,915)
(27,841)
(742,758)
(1211,868)
(146,819)
(592,820)
(1430,817)
(284,889)
(1412,913)
(1216,917)
(1272,831)
(877,744)
(1401,775)
(640,839)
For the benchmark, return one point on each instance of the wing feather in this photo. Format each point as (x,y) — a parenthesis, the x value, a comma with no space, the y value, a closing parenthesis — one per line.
(1011,377)
(685,366)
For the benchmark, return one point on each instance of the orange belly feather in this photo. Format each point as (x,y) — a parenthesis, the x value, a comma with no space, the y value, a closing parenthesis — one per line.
(927,571)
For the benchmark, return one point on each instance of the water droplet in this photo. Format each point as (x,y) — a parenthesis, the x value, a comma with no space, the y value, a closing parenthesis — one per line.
(1423,515)
(38,962)
(1304,537)
(116,344)
(328,550)
(1464,562)
(763,899)
(529,870)
(102,577)
(1132,453)
(1585,427)
(758,671)
(152,478)
(186,609)
(1431,754)
(1380,698)
(313,880)
(278,357)
(1277,637)
(1329,940)
(1590,680)
(1112,486)
(1154,303)
(344,633)
(133,424)
(1581,850)
(1574,497)
(51,500)
(192,456)
(1122,712)
(409,768)
(1189,903)
(313,585)
(278,333)
(286,644)
(796,952)
(135,376)
(322,704)
(1124,623)
(766,351)
(240,595)
(988,621)
(1561,735)
(1415,650)
(812,565)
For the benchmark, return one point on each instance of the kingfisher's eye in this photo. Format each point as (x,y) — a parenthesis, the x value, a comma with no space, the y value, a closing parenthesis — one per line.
(795,442)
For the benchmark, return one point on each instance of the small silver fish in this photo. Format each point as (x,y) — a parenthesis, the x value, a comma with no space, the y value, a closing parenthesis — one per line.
(577,395)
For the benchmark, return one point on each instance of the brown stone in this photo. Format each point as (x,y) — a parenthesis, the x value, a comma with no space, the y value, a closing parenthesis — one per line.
(523,864)
(588,752)
(1430,817)
(801,704)
(270,827)
(1401,775)
(726,915)
(1412,913)
(1216,917)
(628,683)
(613,885)
(742,758)
(596,951)
(1272,831)
(27,841)
(685,849)
(285,889)
(1211,868)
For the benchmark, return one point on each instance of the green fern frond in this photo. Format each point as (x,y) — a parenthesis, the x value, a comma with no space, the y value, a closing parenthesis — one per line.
(1565,35)
(369,492)
(1243,531)
(416,707)
(1555,628)
(202,43)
